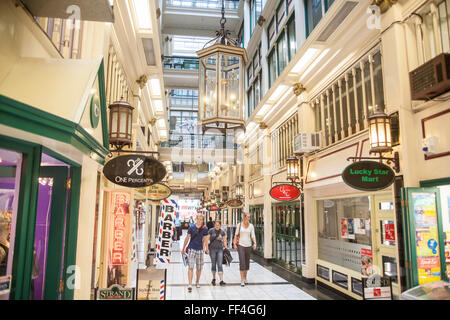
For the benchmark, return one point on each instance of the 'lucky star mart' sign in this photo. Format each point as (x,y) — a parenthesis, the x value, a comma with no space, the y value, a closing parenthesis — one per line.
(166,230)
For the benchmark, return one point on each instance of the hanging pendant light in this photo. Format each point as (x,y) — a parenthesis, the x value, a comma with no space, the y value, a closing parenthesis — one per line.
(221,82)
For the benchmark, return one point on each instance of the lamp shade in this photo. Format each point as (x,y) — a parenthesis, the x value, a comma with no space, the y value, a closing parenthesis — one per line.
(239,190)
(120,124)
(221,86)
(292,167)
(380,132)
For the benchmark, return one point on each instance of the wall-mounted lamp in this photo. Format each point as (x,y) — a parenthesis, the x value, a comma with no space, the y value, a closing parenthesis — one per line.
(380,139)
(293,171)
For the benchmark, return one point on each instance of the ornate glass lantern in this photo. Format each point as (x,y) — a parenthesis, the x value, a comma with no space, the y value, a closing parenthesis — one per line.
(239,191)
(292,167)
(120,124)
(380,132)
(221,82)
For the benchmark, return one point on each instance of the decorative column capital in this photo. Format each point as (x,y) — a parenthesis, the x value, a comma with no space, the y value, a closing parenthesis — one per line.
(384,4)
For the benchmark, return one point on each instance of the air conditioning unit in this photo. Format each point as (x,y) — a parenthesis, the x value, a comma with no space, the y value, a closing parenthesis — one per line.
(431,79)
(306,142)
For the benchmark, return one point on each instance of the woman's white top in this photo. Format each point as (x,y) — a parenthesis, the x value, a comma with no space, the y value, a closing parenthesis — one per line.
(246,235)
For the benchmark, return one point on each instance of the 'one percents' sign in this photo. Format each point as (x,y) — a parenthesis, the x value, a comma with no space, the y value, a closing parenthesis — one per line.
(166,230)
(368,175)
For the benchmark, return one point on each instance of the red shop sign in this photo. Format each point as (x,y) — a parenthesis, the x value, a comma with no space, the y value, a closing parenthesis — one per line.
(389,232)
(284,192)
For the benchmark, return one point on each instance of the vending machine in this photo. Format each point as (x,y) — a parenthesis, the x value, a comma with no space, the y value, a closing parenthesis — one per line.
(424,237)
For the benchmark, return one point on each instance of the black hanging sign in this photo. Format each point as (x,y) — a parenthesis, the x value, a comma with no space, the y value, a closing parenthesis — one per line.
(134,171)
(368,175)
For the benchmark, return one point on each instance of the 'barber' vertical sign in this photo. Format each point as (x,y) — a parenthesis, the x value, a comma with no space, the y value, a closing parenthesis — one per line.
(166,230)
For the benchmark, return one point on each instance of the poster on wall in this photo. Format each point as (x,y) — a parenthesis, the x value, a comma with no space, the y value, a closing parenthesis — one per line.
(151,284)
(366,262)
(344,229)
(120,207)
(427,245)
(389,231)
(166,231)
(350,229)
(359,225)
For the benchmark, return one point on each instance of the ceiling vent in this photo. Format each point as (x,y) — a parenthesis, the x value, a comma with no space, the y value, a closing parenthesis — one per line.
(149,52)
(337,20)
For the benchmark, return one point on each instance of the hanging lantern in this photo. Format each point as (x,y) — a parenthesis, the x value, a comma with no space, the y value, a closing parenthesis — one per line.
(239,190)
(120,124)
(380,132)
(221,82)
(292,166)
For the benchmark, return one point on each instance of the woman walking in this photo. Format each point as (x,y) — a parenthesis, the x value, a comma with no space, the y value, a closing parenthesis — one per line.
(217,242)
(243,244)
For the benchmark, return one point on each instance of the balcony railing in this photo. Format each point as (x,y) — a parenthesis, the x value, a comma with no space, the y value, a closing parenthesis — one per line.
(180,63)
(203,4)
(198,141)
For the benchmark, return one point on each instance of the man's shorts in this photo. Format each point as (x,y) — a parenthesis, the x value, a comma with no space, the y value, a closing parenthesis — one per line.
(195,257)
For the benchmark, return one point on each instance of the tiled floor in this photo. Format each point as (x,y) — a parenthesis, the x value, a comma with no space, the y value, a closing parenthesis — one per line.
(263,284)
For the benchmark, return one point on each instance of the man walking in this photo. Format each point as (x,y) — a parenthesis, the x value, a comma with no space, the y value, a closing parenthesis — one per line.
(197,237)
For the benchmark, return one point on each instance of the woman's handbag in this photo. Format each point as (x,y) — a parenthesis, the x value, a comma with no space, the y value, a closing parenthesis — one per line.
(227,258)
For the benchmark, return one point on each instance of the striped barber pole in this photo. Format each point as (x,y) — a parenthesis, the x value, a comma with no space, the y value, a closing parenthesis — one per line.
(161,290)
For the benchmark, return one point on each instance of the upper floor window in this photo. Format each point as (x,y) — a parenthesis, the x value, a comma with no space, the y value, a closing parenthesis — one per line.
(282,51)
(315,10)
(255,11)
(254,74)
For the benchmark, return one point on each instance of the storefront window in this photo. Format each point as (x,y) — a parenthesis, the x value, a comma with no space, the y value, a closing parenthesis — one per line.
(344,229)
(49,238)
(10,166)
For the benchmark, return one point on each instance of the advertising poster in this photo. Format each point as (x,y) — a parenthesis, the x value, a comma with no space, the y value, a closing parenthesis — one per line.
(344,229)
(151,284)
(427,245)
(389,232)
(359,225)
(350,229)
(366,262)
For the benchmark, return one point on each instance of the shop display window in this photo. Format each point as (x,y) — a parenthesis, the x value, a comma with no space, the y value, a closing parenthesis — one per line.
(323,272)
(340,279)
(344,232)
(10,167)
(357,287)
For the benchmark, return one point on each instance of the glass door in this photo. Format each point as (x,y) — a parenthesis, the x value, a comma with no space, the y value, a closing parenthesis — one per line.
(386,244)
(49,239)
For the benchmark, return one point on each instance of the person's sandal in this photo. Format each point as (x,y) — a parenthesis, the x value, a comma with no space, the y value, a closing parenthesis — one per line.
(222,283)
(213,282)
(189,288)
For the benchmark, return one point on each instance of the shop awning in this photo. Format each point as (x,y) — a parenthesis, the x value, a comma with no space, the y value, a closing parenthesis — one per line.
(56,98)
(89,10)
(58,86)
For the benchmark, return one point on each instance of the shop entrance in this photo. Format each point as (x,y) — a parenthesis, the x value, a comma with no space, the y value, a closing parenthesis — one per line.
(386,246)
(49,258)
(288,230)
(257,219)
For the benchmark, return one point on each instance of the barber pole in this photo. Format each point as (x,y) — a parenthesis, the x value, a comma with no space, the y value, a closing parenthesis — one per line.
(161,290)
(166,231)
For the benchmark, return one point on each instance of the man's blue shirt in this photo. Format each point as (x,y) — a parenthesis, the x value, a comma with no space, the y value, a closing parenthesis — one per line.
(197,243)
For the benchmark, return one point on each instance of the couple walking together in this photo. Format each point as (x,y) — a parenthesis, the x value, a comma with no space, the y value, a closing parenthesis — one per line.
(213,242)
